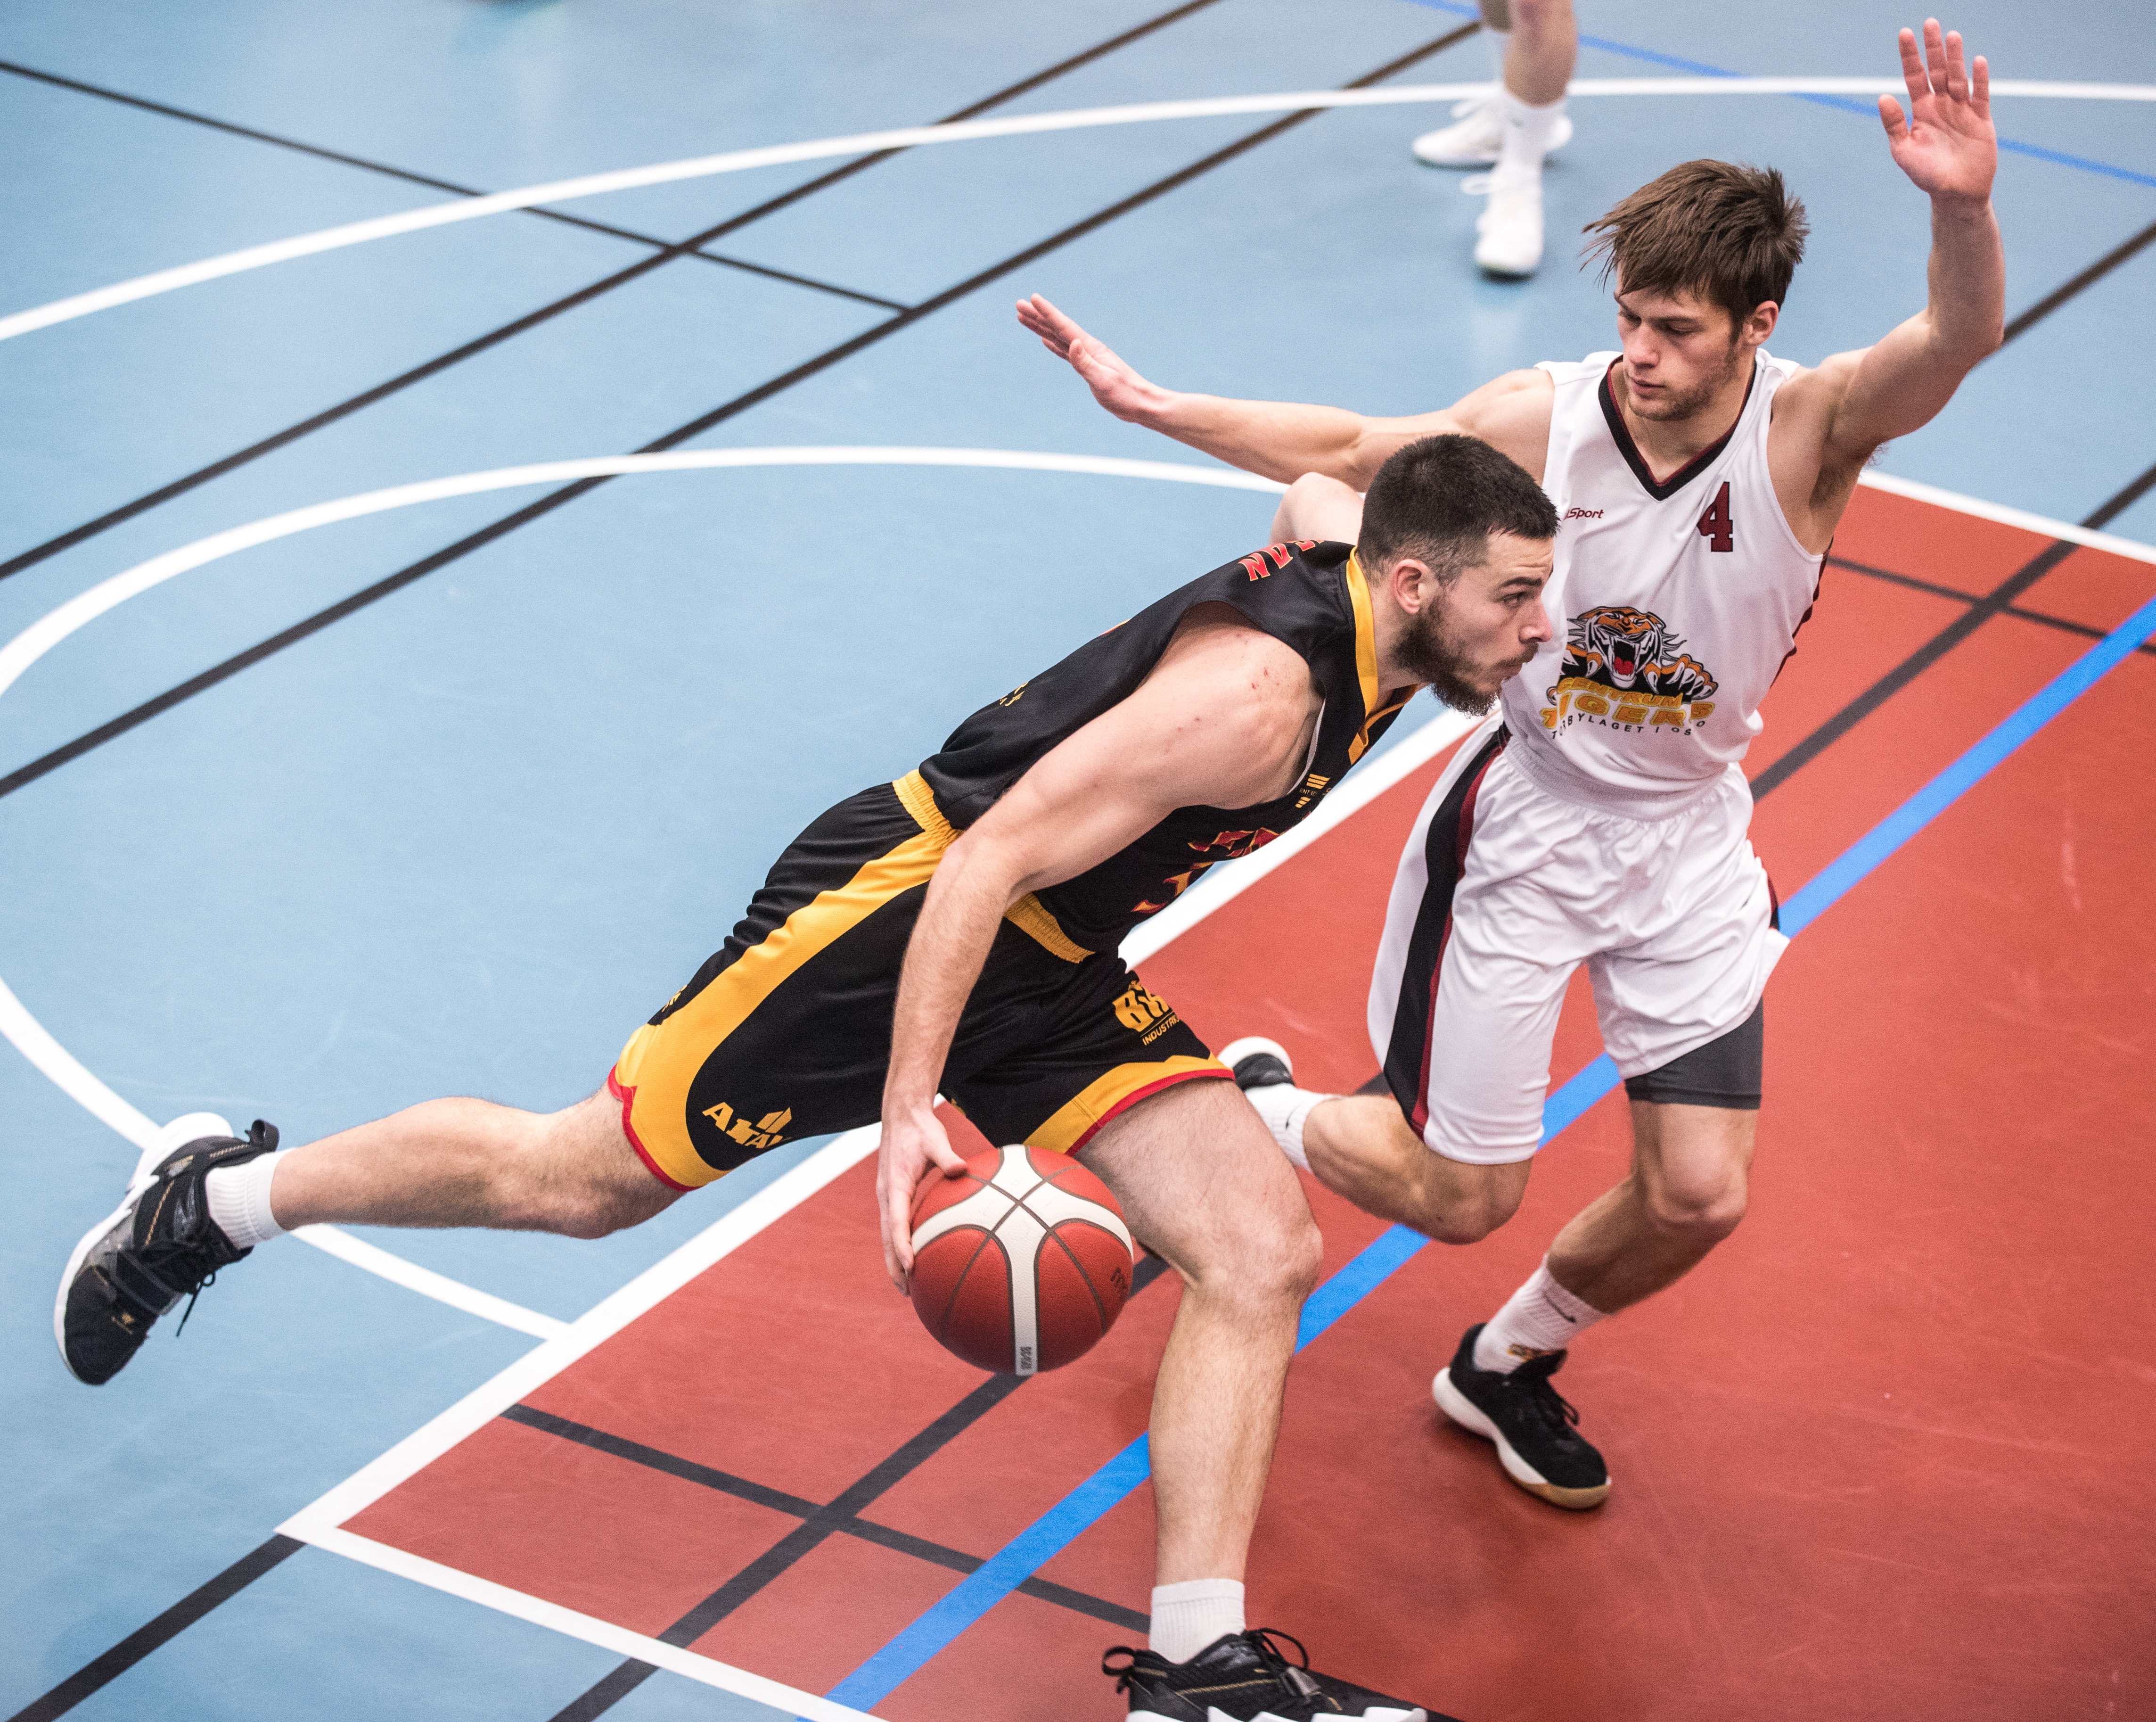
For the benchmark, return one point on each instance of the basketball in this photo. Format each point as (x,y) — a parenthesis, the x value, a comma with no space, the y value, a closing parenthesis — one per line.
(1022,1264)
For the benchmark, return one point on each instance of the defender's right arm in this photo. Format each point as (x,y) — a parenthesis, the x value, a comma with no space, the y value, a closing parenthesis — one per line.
(1279,440)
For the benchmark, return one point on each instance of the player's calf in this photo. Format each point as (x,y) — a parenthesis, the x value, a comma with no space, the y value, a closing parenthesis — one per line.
(1360,1147)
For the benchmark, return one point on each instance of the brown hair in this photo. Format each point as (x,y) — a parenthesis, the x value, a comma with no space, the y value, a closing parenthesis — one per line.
(1439,499)
(1731,235)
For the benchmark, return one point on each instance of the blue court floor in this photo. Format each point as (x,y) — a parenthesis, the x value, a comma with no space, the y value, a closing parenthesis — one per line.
(463,835)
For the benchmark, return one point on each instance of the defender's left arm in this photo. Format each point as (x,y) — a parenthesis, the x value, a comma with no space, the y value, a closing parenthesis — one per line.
(1948,149)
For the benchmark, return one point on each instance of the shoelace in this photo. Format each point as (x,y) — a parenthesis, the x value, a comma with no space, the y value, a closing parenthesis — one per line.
(1294,1677)
(1558,1414)
(195,1297)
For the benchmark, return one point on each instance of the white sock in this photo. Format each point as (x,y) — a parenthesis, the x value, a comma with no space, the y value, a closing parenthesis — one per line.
(1188,1616)
(240,1200)
(1285,1109)
(1540,1318)
(1500,42)
(1529,132)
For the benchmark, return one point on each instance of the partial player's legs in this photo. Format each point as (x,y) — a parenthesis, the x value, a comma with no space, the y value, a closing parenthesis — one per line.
(1685,1193)
(1204,1189)
(1535,43)
(472,1163)
(201,1199)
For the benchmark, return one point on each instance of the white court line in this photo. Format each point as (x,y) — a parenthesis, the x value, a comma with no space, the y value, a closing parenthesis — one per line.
(319,1522)
(1230,879)
(335,1241)
(788,1700)
(80,1085)
(590,185)
(30,1037)
(599,1323)
(2108,542)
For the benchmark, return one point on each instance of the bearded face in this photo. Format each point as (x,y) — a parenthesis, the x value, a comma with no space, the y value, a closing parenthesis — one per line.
(1433,650)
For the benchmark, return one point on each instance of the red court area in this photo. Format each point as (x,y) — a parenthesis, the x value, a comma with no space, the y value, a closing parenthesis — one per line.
(1882,1456)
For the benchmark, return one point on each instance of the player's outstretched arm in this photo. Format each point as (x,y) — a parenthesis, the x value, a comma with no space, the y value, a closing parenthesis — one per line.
(1210,727)
(1275,440)
(1947,147)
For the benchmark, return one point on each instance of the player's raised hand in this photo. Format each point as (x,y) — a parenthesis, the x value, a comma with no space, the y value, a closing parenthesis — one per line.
(912,1144)
(1114,384)
(1947,144)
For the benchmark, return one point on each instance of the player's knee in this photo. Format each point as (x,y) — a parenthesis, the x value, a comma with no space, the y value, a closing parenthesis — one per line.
(1461,1204)
(555,1182)
(1469,1221)
(1276,1259)
(594,1211)
(1707,1205)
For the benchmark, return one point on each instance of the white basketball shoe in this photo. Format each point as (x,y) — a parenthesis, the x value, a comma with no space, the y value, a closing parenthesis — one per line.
(1510,231)
(1474,139)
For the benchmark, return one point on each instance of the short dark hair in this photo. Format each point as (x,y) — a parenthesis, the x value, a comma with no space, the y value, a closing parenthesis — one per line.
(1438,500)
(1732,234)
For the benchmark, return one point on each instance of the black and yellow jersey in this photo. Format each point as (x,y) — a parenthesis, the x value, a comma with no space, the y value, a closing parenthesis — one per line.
(1308,595)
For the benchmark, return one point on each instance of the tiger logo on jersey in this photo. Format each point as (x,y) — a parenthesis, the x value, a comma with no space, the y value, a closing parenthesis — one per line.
(1623,668)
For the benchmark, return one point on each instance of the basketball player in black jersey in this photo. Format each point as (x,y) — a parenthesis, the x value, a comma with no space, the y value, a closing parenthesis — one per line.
(957,931)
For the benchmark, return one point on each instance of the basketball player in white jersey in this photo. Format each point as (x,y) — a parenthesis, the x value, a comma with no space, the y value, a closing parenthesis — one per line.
(1599,814)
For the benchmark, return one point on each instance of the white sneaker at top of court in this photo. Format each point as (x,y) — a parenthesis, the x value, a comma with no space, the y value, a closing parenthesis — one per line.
(1511,229)
(1474,141)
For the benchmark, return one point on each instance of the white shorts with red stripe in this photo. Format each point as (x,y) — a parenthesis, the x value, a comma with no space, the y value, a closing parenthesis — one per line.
(1503,889)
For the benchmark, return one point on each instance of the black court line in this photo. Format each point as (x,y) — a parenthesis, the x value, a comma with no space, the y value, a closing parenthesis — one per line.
(779,1501)
(1995,603)
(1888,577)
(385,169)
(839,1516)
(544,313)
(740,403)
(169,1624)
(2087,278)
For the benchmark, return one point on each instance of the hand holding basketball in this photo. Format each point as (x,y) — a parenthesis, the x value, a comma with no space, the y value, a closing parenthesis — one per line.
(1022,1264)
(1947,146)
(912,1143)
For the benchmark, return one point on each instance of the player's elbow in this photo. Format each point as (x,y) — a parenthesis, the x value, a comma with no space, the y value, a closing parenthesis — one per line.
(1317,505)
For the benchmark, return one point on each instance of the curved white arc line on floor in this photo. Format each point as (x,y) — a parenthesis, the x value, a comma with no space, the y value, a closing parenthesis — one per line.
(74,1079)
(33,642)
(69,1074)
(335,1241)
(590,185)
(35,1043)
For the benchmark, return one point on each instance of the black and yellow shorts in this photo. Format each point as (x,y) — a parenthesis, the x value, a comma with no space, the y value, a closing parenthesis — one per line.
(786,1031)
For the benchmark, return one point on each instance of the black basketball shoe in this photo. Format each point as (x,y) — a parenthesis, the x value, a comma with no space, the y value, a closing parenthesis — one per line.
(1530,1421)
(1256,1062)
(158,1246)
(1244,1677)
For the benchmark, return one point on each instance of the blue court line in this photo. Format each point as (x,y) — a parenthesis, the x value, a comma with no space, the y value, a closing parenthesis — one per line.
(1107,1487)
(1699,69)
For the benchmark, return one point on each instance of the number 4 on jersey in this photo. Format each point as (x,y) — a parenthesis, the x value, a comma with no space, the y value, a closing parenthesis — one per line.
(1715,525)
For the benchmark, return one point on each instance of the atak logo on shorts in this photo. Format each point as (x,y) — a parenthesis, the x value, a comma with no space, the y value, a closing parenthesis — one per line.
(767,1132)
(1623,668)
(1142,1014)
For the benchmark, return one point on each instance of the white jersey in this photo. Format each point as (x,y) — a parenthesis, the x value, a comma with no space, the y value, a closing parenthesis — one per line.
(1677,603)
